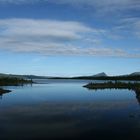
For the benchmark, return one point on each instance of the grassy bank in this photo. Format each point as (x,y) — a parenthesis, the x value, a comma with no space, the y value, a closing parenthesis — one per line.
(12,81)
(8,81)
(116,85)
(113,85)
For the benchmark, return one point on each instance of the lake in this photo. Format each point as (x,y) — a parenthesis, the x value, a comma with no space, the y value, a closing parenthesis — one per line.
(64,109)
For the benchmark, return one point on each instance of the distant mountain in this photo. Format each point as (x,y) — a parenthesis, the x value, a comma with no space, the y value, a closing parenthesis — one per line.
(102,74)
(1,74)
(135,74)
(24,76)
(35,77)
(10,75)
(99,76)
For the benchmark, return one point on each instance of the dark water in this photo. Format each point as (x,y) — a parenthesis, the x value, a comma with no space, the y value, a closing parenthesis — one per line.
(63,109)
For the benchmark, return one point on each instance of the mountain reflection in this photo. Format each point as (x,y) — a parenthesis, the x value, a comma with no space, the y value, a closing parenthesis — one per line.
(66,120)
(68,111)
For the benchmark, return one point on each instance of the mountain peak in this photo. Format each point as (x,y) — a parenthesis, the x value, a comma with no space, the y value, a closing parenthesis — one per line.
(100,74)
(135,73)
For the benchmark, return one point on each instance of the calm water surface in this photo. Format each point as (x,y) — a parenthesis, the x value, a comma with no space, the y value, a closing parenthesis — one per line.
(63,109)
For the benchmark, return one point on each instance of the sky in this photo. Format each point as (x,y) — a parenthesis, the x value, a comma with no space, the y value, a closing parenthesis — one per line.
(69,37)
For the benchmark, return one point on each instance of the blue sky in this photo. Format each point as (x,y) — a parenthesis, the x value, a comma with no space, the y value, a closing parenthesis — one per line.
(69,37)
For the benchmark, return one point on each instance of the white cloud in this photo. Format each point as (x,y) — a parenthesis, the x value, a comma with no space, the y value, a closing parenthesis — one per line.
(49,37)
(66,30)
(62,49)
(129,26)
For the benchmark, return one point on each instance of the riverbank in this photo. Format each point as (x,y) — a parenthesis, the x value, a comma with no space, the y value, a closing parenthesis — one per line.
(116,85)
(13,81)
(113,85)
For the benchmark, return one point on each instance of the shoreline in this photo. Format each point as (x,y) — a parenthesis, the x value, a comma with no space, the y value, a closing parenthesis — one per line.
(113,85)
(2,91)
(12,81)
(8,81)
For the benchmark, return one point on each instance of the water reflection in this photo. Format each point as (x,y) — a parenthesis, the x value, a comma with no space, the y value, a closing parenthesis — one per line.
(67,121)
(2,92)
(136,91)
(1,96)
(68,111)
(138,96)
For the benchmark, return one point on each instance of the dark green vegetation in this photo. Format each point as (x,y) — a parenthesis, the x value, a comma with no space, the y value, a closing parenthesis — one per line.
(9,81)
(12,81)
(127,77)
(114,85)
